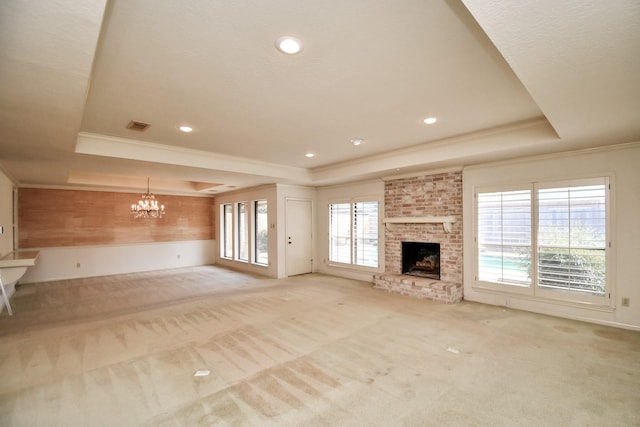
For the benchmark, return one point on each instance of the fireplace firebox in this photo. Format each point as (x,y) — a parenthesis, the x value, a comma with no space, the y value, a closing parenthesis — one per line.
(421,259)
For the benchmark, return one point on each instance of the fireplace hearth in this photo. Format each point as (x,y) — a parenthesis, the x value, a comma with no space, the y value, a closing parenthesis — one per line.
(421,259)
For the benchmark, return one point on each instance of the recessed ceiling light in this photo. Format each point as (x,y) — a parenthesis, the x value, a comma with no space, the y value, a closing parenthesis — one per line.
(430,120)
(186,129)
(357,141)
(310,155)
(289,45)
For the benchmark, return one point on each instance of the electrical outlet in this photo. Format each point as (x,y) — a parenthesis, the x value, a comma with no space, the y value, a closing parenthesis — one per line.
(77,265)
(626,302)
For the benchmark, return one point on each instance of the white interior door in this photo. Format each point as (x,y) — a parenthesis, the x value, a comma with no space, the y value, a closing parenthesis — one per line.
(299,237)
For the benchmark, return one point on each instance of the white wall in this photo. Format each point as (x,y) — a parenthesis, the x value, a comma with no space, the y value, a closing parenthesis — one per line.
(276,196)
(6,221)
(293,192)
(623,163)
(6,214)
(369,190)
(62,263)
(268,193)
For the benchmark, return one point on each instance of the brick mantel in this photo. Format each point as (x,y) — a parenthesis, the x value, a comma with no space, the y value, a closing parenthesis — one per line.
(425,197)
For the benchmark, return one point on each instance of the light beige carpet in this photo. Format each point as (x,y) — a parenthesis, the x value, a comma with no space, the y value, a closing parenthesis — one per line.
(312,350)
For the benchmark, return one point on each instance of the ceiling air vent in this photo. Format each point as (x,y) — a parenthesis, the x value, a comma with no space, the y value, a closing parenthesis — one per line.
(139,126)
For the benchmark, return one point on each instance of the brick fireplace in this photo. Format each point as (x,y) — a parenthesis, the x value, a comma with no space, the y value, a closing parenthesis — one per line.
(430,196)
(421,259)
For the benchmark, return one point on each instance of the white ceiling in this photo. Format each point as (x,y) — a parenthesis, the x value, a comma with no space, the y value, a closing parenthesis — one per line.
(504,78)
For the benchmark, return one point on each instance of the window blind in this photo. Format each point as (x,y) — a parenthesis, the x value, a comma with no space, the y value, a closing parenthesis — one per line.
(572,238)
(504,237)
(365,233)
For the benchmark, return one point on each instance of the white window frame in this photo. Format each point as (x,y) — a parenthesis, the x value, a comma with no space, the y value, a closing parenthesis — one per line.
(224,232)
(514,288)
(255,230)
(239,246)
(534,290)
(342,235)
(353,263)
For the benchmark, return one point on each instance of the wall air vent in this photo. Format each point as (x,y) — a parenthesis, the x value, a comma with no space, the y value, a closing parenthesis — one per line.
(139,126)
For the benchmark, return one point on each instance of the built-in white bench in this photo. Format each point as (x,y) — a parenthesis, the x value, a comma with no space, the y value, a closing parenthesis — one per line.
(12,268)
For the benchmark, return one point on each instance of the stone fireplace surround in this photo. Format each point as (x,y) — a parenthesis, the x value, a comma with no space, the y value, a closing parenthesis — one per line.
(427,196)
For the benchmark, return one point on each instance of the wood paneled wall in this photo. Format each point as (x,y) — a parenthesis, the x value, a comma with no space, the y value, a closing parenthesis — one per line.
(51,218)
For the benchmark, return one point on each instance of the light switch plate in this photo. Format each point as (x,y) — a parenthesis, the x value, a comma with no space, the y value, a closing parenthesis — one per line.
(1,229)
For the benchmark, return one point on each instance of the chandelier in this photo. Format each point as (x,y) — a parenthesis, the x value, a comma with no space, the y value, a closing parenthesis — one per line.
(147,206)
